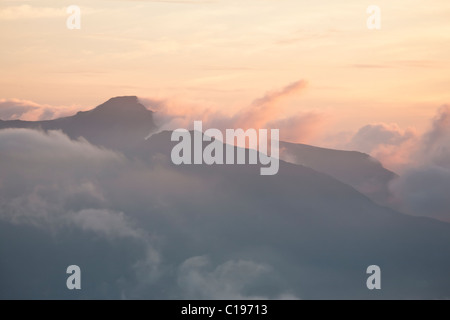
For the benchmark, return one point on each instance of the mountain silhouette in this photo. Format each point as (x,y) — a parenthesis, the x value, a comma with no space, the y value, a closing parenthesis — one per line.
(122,123)
(119,124)
(318,232)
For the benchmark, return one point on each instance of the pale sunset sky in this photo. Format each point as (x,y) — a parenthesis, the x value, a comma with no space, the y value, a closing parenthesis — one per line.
(224,54)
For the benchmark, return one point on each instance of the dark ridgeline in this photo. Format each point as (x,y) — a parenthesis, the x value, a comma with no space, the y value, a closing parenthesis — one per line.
(120,124)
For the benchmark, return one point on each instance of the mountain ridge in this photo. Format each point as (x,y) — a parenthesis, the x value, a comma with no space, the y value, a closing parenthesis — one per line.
(119,123)
(122,122)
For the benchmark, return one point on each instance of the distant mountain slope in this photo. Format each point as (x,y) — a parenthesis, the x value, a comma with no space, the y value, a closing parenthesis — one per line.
(361,171)
(119,124)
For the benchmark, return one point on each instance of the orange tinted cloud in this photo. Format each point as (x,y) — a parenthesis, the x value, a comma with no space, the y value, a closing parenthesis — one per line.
(300,128)
(436,141)
(12,109)
(264,112)
(267,108)
(389,143)
(400,149)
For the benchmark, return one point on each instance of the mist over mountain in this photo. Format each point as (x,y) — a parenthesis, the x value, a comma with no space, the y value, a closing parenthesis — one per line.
(141,227)
(122,123)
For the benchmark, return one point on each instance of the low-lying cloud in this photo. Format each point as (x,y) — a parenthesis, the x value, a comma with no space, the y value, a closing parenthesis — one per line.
(422,188)
(421,159)
(122,220)
(388,143)
(423,191)
(15,109)
(402,150)
(435,143)
(232,280)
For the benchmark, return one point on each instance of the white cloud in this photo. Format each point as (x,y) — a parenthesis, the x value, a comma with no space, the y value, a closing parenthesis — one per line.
(198,279)
(109,223)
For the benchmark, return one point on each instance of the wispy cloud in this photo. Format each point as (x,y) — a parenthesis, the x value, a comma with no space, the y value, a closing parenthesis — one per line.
(12,109)
(267,111)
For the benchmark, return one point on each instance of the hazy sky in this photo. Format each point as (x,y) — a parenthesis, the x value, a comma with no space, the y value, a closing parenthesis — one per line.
(224,54)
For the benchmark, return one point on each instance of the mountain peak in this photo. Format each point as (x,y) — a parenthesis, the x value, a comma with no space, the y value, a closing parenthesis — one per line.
(122,104)
(123,99)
